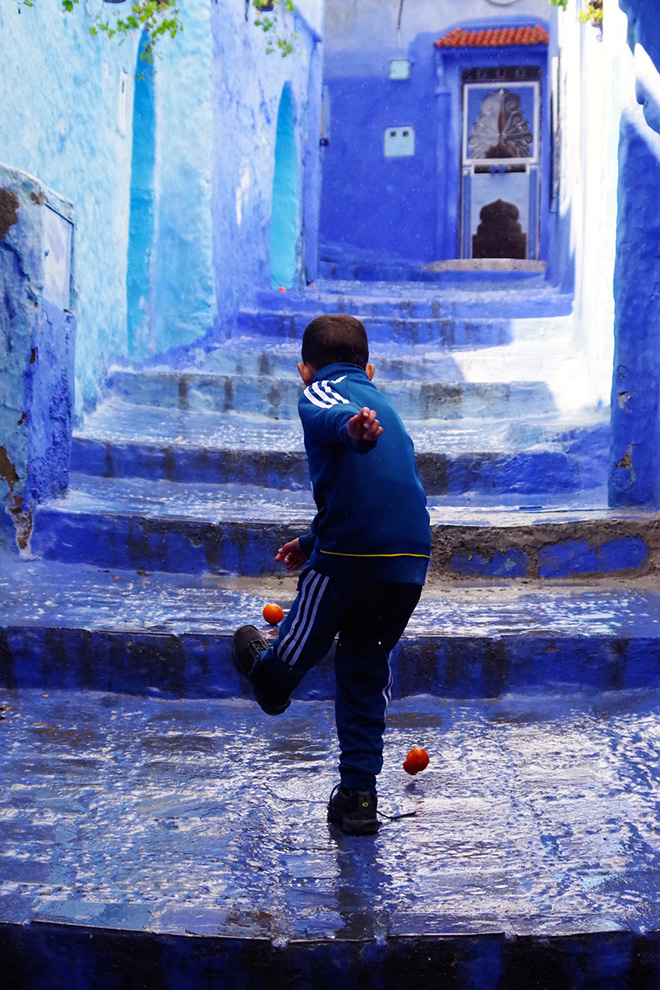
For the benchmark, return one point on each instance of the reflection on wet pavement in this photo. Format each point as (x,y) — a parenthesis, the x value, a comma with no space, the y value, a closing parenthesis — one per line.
(535,814)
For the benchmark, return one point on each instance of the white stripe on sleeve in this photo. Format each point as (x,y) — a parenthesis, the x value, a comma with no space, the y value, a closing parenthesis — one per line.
(318,399)
(334,395)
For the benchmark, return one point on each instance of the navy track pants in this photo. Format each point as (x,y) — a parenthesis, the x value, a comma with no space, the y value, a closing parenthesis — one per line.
(370,618)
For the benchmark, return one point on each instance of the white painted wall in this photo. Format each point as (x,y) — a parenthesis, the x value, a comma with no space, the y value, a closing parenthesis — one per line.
(364,25)
(606,87)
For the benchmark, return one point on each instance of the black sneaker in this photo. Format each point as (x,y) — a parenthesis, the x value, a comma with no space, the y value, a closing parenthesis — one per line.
(246,647)
(353,811)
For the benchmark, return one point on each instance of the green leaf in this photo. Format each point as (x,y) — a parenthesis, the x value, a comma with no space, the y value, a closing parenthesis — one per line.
(160,17)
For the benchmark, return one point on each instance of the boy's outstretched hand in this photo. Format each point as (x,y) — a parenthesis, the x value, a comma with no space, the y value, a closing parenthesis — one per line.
(364,425)
(292,555)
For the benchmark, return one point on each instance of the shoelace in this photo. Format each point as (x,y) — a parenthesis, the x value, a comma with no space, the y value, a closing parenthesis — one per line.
(395,818)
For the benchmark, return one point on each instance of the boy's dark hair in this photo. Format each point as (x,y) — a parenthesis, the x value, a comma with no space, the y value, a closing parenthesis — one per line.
(333,338)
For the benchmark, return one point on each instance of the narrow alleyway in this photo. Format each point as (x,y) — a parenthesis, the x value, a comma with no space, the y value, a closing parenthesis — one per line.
(144,794)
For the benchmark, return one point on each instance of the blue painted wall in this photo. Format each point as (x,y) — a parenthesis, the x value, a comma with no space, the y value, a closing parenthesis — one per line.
(37,334)
(311,164)
(406,208)
(182,283)
(61,122)
(246,92)
(217,94)
(371,203)
(635,464)
(635,453)
(643,26)
(173,206)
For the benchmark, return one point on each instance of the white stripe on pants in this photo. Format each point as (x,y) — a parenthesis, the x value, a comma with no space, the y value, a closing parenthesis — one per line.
(311,593)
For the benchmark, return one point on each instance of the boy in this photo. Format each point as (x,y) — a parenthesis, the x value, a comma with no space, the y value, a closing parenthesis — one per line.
(364,560)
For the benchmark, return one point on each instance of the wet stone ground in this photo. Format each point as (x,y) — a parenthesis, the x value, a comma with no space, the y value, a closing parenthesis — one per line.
(536,814)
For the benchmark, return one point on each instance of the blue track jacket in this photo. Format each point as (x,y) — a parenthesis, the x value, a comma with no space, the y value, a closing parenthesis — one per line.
(372,519)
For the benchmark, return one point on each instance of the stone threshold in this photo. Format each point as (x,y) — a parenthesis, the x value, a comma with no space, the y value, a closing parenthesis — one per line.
(486,265)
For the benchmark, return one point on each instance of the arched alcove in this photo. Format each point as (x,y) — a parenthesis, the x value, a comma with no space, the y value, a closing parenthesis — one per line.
(141,223)
(285,214)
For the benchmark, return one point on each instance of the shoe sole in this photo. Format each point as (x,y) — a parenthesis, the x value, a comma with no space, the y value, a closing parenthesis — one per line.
(271,711)
(355,828)
(244,668)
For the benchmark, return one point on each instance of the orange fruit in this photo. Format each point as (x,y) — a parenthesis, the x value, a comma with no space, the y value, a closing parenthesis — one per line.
(273,613)
(416,760)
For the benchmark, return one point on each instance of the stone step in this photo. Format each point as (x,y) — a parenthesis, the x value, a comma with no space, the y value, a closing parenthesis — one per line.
(542,454)
(250,356)
(259,357)
(166,843)
(533,298)
(80,627)
(444,331)
(540,351)
(536,346)
(278,397)
(183,527)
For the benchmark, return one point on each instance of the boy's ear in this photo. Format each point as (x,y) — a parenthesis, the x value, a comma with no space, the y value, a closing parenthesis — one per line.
(305,372)
(371,371)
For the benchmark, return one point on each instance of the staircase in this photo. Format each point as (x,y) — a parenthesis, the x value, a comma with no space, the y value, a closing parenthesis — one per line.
(148,799)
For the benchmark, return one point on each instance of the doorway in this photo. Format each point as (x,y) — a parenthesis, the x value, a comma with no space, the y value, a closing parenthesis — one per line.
(501,162)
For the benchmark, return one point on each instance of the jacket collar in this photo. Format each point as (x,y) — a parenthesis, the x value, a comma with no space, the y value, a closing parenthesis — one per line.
(339,368)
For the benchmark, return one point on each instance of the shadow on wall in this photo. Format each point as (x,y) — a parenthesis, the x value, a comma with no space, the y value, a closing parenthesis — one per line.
(284,225)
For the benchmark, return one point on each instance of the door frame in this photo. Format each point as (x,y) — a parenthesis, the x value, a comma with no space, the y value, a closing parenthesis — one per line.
(451,63)
(532,164)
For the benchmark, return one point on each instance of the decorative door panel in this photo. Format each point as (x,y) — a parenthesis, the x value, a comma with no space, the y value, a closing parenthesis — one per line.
(500,163)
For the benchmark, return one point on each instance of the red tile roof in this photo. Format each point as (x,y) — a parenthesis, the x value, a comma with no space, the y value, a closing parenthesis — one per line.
(494,37)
